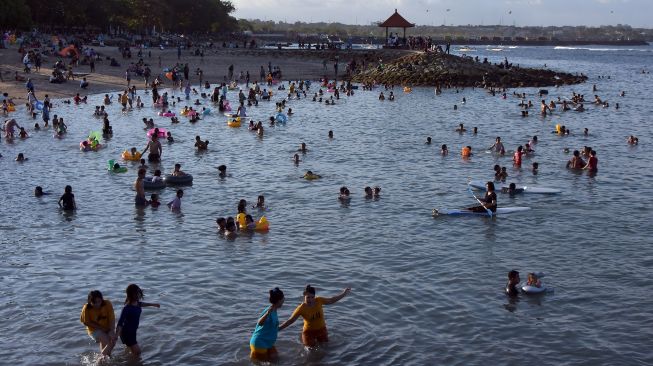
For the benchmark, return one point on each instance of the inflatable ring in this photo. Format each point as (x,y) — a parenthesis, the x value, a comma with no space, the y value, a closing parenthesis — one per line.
(184,112)
(166,114)
(150,185)
(533,289)
(262,224)
(280,117)
(234,123)
(11,108)
(162,133)
(312,176)
(172,180)
(39,105)
(206,112)
(126,155)
(240,221)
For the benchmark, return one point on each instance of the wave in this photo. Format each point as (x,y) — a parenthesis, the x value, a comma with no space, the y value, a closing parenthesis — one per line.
(603,49)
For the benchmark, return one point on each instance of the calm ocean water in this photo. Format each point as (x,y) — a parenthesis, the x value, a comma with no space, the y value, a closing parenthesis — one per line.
(425,291)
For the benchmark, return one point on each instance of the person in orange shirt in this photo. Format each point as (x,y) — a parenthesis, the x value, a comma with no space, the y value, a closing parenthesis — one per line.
(311,311)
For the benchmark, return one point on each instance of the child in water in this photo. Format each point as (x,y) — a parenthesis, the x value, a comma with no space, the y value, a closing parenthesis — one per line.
(267,327)
(154,200)
(444,151)
(175,204)
(130,317)
(513,282)
(67,200)
(533,280)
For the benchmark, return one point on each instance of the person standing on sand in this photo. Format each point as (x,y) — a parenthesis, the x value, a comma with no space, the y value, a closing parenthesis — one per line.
(186,71)
(178,54)
(231,72)
(262,74)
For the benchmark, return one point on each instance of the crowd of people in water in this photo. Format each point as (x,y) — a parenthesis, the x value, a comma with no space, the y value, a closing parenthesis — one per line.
(98,315)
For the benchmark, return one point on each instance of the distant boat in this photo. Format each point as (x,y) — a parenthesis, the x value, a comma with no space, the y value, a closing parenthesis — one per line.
(466,49)
(497,49)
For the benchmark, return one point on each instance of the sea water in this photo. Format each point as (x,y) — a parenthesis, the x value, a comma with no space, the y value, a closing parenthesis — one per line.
(424,290)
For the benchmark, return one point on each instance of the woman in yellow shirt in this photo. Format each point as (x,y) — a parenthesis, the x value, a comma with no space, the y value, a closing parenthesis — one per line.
(311,311)
(100,321)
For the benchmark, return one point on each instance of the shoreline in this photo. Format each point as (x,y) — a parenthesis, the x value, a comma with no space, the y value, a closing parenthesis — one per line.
(295,65)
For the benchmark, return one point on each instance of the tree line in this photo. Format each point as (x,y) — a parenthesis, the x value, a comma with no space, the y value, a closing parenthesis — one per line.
(139,16)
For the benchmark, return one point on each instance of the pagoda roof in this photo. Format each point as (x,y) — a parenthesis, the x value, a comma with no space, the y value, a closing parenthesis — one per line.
(396,21)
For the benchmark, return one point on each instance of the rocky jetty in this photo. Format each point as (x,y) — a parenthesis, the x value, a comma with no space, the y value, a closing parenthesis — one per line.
(433,69)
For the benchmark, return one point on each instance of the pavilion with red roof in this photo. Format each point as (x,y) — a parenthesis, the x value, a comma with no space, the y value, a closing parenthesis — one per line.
(396,21)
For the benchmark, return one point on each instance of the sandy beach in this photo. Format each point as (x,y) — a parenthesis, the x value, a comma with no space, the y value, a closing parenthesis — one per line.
(295,65)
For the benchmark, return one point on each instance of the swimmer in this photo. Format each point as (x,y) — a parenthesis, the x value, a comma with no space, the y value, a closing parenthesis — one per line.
(311,311)
(512,288)
(461,128)
(533,280)
(535,168)
(130,317)
(222,224)
(391,97)
(475,130)
(262,342)
(178,172)
(296,159)
(592,163)
(223,171)
(512,189)
(201,145)
(377,192)
(368,192)
(497,172)
(170,138)
(444,150)
(302,148)
(466,152)
(143,165)
(632,140)
(20,157)
(139,187)
(344,194)
(309,175)
(498,146)
(260,203)
(517,157)
(428,140)
(67,200)
(23,134)
(576,162)
(330,134)
(503,174)
(175,204)
(38,191)
(381,96)
(230,228)
(154,200)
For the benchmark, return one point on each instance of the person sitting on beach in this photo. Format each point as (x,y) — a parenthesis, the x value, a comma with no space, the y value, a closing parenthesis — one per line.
(201,145)
(512,287)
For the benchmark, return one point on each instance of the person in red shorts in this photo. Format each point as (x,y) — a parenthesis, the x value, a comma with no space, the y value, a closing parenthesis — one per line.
(311,311)
(592,163)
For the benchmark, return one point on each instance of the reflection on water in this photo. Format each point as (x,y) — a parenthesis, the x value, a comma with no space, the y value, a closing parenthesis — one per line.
(418,283)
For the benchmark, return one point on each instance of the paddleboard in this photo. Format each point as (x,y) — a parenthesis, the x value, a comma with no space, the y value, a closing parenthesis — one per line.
(526,189)
(458,212)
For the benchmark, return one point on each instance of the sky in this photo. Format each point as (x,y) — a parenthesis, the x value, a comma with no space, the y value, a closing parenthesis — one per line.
(636,13)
